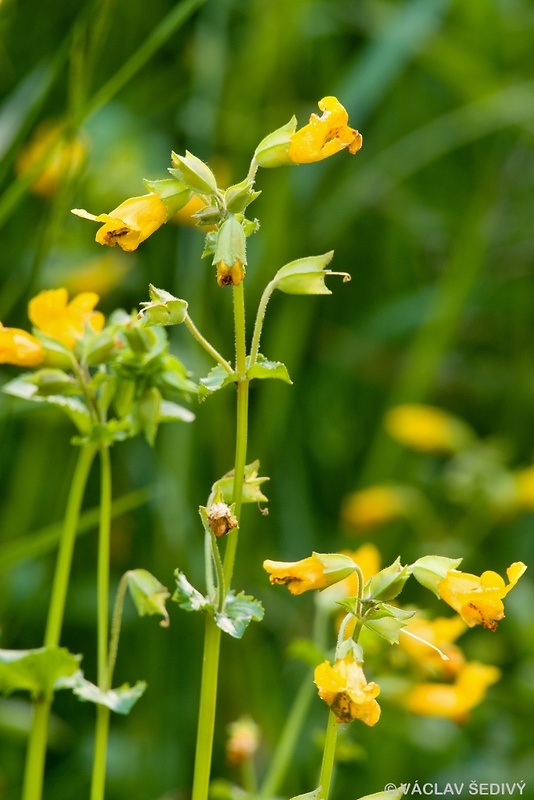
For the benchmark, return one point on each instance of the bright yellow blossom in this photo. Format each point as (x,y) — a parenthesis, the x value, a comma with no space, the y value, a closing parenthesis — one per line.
(344,688)
(453,700)
(372,507)
(130,223)
(19,348)
(53,315)
(315,572)
(421,636)
(325,135)
(51,168)
(427,429)
(478,600)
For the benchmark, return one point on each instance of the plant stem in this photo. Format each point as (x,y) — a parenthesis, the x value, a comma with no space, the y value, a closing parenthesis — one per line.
(327,767)
(98,780)
(208,347)
(258,325)
(36,756)
(212,636)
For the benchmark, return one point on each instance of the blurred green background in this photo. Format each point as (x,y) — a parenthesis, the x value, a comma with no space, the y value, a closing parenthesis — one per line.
(433,219)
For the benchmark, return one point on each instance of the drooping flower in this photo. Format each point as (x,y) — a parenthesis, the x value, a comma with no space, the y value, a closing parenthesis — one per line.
(53,315)
(315,572)
(243,740)
(344,688)
(478,600)
(130,223)
(427,429)
(325,135)
(453,700)
(19,348)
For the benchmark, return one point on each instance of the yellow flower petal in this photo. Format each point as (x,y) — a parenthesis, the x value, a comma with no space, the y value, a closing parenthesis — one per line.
(427,429)
(345,690)
(130,223)
(19,348)
(298,576)
(478,600)
(455,700)
(53,315)
(325,135)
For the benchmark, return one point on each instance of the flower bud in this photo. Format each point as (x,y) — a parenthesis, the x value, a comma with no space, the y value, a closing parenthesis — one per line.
(230,253)
(194,173)
(273,150)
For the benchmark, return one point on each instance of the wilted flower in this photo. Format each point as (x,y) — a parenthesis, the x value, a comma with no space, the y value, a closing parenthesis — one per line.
(19,348)
(427,429)
(453,700)
(242,741)
(130,223)
(344,688)
(53,315)
(478,600)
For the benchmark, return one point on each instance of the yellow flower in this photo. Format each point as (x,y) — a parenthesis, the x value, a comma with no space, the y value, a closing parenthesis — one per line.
(478,600)
(442,632)
(373,507)
(344,688)
(427,429)
(325,135)
(130,223)
(67,157)
(524,488)
(184,216)
(453,700)
(19,348)
(67,322)
(315,572)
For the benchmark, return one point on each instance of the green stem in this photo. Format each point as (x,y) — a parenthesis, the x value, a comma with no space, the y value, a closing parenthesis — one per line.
(116,629)
(329,753)
(98,780)
(36,756)
(203,342)
(212,637)
(206,712)
(258,325)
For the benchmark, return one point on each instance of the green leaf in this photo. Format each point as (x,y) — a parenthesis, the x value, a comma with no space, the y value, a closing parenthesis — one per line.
(389,794)
(309,795)
(263,368)
(251,485)
(148,594)
(120,700)
(163,308)
(74,408)
(53,381)
(172,412)
(216,379)
(239,611)
(38,671)
(188,597)
(387,621)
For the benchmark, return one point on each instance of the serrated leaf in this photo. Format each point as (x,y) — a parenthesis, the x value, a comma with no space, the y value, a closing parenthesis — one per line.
(239,611)
(216,379)
(120,700)
(387,621)
(263,368)
(188,597)
(37,671)
(251,485)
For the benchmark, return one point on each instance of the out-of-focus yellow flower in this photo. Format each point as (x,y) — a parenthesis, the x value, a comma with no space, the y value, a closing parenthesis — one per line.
(524,488)
(315,572)
(130,223)
(441,633)
(101,274)
(372,507)
(344,688)
(242,741)
(184,216)
(325,135)
(427,429)
(455,700)
(67,158)
(478,600)
(19,348)
(52,314)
